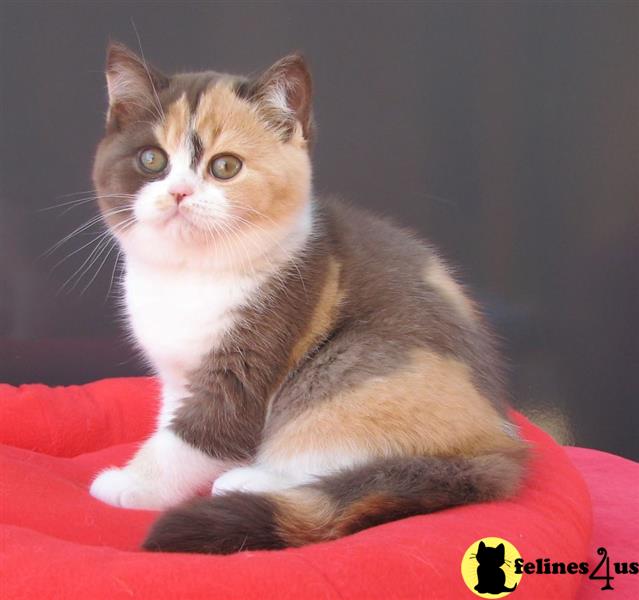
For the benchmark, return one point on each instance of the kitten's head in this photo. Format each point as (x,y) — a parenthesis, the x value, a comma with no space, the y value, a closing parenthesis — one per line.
(205,164)
(487,555)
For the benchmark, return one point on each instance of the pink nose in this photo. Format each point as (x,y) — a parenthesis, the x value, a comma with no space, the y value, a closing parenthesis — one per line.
(180,191)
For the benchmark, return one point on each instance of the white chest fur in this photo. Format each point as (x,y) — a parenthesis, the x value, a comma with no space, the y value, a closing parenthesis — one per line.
(179,316)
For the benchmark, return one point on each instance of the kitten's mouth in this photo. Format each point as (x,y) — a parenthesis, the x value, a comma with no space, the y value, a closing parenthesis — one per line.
(176,213)
(185,221)
(179,217)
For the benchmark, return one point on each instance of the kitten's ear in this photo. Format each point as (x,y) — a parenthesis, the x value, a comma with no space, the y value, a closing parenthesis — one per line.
(132,85)
(501,549)
(481,546)
(284,92)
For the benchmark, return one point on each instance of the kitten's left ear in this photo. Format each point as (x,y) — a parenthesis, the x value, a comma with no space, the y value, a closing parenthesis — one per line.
(284,93)
(132,84)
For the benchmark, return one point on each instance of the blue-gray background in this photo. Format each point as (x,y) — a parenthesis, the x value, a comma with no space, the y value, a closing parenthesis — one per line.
(505,132)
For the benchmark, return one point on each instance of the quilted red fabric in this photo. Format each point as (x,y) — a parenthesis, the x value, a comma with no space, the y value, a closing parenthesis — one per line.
(614,490)
(59,542)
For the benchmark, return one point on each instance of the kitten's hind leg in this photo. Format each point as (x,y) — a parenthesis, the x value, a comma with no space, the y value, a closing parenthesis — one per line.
(165,471)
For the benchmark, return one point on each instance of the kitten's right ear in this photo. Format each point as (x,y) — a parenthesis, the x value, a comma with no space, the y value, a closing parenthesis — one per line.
(284,95)
(133,86)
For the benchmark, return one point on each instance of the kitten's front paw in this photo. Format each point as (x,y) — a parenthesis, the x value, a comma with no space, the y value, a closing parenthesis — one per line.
(121,488)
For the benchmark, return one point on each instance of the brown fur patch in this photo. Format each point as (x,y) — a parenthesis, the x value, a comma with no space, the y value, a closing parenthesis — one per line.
(229,393)
(219,525)
(324,313)
(375,509)
(428,407)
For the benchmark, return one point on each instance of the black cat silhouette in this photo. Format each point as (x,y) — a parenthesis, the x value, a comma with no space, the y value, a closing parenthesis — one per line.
(490,577)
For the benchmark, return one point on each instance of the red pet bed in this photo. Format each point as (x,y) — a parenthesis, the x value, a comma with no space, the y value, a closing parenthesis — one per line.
(58,542)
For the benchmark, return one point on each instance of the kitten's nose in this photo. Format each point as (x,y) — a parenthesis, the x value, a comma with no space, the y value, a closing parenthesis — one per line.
(180,191)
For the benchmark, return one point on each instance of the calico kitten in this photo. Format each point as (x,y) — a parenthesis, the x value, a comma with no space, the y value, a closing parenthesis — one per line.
(320,367)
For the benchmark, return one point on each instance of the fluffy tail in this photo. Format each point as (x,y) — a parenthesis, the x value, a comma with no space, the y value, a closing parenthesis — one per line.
(336,505)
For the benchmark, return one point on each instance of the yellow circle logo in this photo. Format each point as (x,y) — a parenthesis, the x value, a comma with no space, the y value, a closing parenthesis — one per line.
(488,568)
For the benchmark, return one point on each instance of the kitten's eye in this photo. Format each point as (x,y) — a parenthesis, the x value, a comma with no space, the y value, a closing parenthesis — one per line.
(225,166)
(152,159)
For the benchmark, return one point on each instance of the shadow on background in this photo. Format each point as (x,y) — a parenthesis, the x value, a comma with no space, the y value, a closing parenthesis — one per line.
(506,133)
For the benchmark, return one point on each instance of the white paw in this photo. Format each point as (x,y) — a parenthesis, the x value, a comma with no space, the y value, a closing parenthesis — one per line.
(249,479)
(121,487)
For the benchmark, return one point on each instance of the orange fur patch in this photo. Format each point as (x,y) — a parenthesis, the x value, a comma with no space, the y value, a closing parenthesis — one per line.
(172,132)
(304,516)
(430,407)
(323,314)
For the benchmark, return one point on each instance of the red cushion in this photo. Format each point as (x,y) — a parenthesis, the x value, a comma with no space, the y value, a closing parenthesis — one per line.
(614,489)
(57,541)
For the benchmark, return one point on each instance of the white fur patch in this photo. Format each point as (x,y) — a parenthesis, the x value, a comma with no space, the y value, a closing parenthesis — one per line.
(272,474)
(300,468)
(250,479)
(179,316)
(165,471)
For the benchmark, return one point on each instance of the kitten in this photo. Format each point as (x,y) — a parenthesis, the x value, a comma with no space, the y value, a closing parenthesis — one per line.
(319,366)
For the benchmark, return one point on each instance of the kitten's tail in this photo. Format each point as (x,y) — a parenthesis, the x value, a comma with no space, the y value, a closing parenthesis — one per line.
(336,505)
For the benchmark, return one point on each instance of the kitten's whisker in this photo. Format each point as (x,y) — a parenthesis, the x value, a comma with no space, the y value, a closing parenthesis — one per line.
(104,245)
(108,242)
(79,272)
(249,262)
(275,271)
(75,194)
(84,199)
(236,218)
(226,232)
(220,237)
(80,229)
(103,241)
(107,232)
(106,256)
(72,203)
(88,224)
(150,109)
(286,253)
(148,73)
(113,274)
(93,241)
(92,191)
